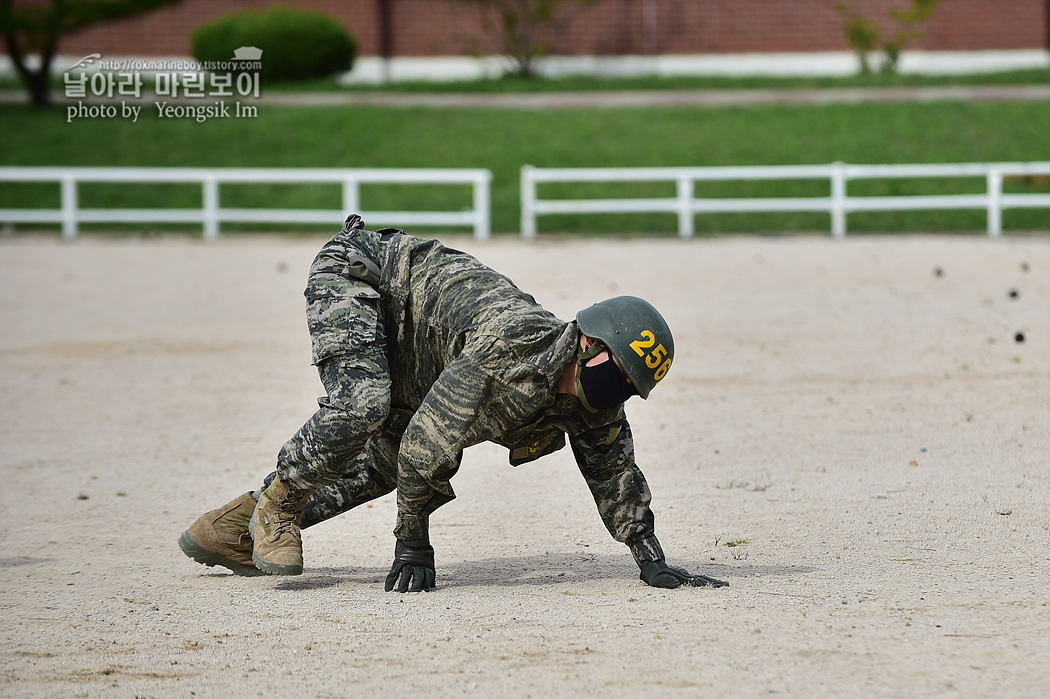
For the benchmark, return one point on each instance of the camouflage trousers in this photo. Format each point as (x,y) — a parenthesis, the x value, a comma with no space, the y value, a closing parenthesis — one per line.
(370,475)
(347,451)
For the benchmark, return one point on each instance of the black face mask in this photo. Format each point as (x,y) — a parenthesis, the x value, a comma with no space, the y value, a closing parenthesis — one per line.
(603,386)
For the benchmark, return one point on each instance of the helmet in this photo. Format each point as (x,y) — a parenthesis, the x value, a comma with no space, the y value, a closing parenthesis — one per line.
(636,334)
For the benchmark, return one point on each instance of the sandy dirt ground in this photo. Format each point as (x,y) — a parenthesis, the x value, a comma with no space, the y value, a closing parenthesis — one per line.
(851,436)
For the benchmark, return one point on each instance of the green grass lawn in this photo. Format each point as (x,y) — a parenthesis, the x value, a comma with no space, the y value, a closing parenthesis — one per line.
(504,140)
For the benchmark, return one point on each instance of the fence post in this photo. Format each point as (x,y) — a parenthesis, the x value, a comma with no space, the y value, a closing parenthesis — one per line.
(69,206)
(685,207)
(351,196)
(838,199)
(995,203)
(482,222)
(211,207)
(528,203)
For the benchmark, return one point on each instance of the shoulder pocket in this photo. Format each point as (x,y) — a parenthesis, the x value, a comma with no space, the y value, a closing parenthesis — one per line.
(540,443)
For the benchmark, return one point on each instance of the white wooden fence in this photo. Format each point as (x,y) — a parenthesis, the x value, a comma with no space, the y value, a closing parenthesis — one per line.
(212,214)
(838,203)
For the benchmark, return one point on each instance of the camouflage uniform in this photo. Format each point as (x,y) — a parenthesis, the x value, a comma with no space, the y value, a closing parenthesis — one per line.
(423,352)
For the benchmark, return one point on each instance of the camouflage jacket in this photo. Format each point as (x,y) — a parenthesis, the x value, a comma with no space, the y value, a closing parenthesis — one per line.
(477,359)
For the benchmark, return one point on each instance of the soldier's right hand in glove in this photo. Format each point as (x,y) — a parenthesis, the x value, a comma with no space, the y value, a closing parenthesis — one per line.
(659,574)
(414,565)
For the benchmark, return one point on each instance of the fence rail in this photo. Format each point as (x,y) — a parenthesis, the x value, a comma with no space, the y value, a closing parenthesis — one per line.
(838,204)
(211,214)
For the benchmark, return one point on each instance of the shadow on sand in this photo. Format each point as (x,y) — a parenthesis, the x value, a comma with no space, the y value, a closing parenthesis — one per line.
(533,570)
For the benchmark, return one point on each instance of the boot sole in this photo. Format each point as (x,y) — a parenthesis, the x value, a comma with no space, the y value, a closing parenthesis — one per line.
(191,548)
(276,568)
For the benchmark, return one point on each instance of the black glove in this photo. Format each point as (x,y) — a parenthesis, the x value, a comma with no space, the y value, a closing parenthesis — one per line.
(659,574)
(414,565)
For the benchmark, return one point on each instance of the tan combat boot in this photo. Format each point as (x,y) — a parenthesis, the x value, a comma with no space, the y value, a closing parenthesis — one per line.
(220,537)
(275,529)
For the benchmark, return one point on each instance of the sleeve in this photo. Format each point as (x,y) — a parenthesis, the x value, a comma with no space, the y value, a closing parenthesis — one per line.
(478,395)
(605,456)
(445,424)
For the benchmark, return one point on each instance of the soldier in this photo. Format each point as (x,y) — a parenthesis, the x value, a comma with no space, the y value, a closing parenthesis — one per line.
(424,351)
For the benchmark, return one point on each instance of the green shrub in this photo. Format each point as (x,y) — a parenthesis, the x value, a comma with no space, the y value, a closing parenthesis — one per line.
(296,44)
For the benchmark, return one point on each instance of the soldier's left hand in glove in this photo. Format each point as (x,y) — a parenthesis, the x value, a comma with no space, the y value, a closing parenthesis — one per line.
(659,574)
(414,565)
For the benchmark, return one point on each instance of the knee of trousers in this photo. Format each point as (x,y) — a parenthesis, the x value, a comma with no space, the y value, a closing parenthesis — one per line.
(358,394)
(351,421)
(326,445)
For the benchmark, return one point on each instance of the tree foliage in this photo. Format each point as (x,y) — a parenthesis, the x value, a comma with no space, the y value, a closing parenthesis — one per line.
(528,30)
(863,33)
(296,44)
(35,28)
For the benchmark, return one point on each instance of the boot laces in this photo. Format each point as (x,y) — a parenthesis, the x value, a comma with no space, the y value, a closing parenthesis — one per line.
(284,523)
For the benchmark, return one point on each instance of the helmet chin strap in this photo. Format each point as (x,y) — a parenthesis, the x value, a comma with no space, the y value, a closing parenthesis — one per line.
(582,357)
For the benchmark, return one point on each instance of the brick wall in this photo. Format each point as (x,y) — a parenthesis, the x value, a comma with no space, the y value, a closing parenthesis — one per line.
(611,27)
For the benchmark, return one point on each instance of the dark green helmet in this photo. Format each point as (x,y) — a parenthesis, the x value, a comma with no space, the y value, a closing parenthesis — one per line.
(636,334)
